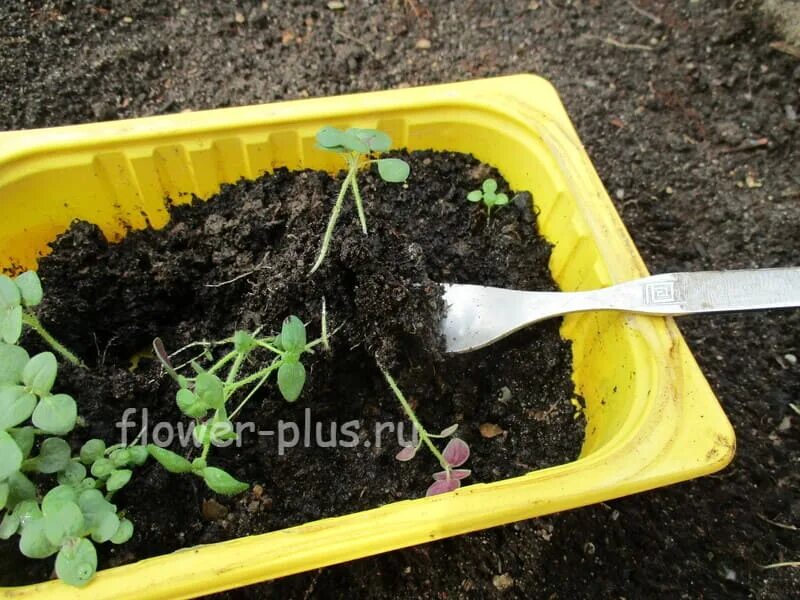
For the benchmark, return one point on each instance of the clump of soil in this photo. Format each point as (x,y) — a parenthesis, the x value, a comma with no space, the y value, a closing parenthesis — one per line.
(241,261)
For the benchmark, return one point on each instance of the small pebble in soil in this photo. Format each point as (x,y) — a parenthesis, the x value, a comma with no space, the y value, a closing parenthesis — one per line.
(502,582)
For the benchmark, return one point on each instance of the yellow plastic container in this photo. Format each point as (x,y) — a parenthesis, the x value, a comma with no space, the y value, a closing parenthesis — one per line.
(652,418)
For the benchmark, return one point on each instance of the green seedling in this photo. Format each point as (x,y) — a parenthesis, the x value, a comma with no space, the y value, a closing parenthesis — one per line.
(206,396)
(18,297)
(488,194)
(455,454)
(357,146)
(77,513)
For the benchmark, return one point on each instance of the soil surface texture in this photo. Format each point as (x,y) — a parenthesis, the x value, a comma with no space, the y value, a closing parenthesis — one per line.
(689,112)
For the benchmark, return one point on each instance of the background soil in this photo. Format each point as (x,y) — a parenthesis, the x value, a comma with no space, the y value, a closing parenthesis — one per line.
(690,117)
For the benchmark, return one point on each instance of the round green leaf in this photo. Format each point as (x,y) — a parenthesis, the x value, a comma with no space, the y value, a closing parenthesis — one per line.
(76,562)
(221,482)
(500,200)
(66,522)
(9,294)
(489,186)
(10,456)
(291,379)
(12,360)
(209,390)
(92,450)
(124,532)
(174,463)
(102,468)
(8,526)
(11,323)
(393,170)
(105,527)
(20,489)
(138,455)
(30,288)
(56,414)
(353,143)
(94,507)
(189,404)
(33,542)
(293,334)
(475,196)
(118,479)
(16,406)
(120,457)
(40,373)
(330,138)
(54,456)
(72,474)
(376,140)
(58,497)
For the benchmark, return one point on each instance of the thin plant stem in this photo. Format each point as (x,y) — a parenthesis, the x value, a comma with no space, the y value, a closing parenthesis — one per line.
(33,322)
(337,208)
(423,434)
(250,395)
(254,377)
(223,361)
(359,204)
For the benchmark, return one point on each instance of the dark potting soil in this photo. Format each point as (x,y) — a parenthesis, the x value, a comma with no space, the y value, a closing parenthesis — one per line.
(241,261)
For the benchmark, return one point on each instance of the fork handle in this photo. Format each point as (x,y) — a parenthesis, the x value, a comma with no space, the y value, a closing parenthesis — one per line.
(675,294)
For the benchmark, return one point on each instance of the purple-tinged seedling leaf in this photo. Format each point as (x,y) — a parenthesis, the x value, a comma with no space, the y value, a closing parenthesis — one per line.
(448,431)
(407,453)
(443,486)
(454,474)
(456,453)
(163,357)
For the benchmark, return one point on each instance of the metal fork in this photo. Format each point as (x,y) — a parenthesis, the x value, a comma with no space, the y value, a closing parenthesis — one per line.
(479,315)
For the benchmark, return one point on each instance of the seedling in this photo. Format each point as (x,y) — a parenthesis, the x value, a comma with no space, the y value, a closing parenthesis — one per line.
(18,297)
(455,453)
(76,512)
(357,146)
(488,194)
(205,397)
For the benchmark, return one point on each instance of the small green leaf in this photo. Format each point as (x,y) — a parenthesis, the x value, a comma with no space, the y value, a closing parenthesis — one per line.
(202,434)
(40,373)
(221,482)
(376,140)
(95,507)
(120,457)
(500,200)
(105,526)
(475,196)
(88,483)
(9,294)
(330,138)
(76,562)
(118,479)
(174,463)
(56,414)
(65,522)
(221,431)
(209,390)
(198,464)
(33,542)
(393,170)
(293,334)
(20,489)
(353,143)
(27,510)
(138,455)
(92,450)
(10,456)
(243,342)
(291,379)
(58,497)
(12,360)
(489,186)
(54,456)
(124,532)
(72,474)
(16,406)
(8,526)
(11,324)
(189,404)
(25,437)
(30,288)
(102,468)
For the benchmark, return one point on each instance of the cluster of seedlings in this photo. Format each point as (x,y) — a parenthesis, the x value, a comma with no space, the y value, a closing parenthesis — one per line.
(77,512)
